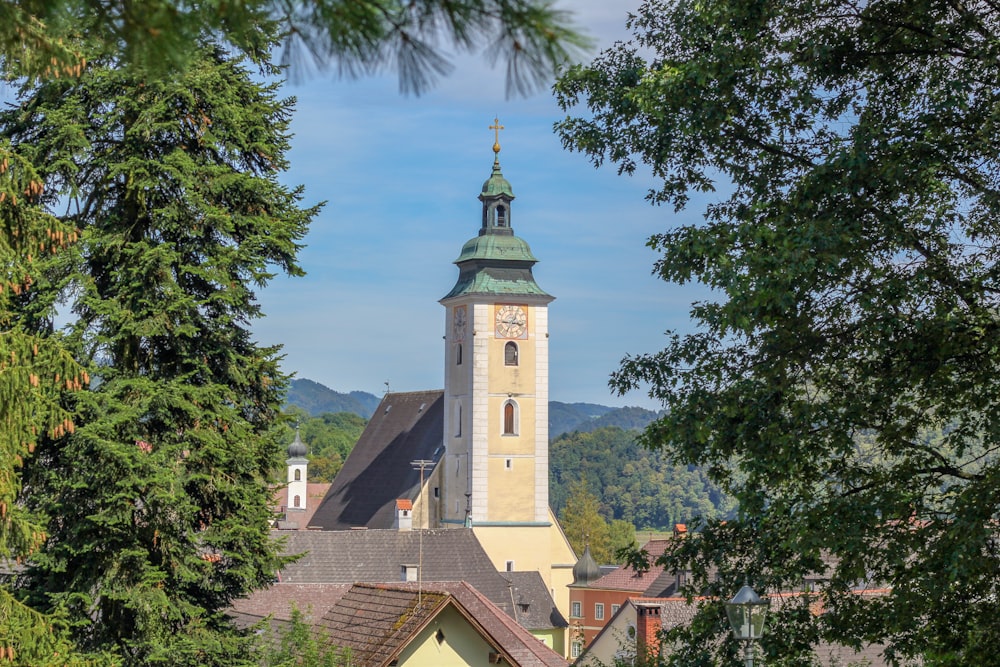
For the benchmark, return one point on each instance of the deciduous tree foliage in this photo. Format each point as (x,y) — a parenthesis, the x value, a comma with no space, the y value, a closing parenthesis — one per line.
(158,501)
(853,257)
(633,484)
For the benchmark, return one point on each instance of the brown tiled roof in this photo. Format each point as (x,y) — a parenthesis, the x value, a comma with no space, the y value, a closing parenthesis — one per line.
(277,601)
(405,427)
(377,621)
(451,554)
(676,611)
(627,579)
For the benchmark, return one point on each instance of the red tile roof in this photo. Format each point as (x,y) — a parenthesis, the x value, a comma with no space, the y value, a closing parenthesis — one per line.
(377,621)
(627,579)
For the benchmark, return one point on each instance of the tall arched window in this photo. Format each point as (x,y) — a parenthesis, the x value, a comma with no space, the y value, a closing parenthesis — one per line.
(501,216)
(510,418)
(458,354)
(298,475)
(510,354)
(297,501)
(458,420)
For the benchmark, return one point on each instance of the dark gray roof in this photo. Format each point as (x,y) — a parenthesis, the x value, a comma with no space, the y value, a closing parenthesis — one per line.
(405,427)
(378,556)
(533,604)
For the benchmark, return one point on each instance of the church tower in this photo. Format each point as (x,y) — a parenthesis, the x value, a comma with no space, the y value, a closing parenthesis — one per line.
(298,471)
(496,432)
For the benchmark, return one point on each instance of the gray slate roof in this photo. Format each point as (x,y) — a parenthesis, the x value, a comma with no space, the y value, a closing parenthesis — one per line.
(451,554)
(405,427)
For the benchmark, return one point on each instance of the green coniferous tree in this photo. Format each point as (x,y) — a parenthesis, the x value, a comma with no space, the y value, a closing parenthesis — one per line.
(159,501)
(583,524)
(34,373)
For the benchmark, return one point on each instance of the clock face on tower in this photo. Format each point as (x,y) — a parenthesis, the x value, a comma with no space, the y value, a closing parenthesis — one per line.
(511,321)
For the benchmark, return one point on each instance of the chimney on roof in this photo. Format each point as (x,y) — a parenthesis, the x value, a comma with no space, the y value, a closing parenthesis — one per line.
(647,631)
(404,515)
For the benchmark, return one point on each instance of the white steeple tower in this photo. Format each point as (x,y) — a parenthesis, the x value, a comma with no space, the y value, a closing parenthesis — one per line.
(298,468)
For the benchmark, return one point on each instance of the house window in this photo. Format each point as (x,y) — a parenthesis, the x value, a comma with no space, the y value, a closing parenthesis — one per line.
(437,492)
(575,649)
(458,354)
(599,611)
(510,354)
(297,501)
(510,566)
(510,418)
(615,608)
(501,216)
(577,611)
(298,475)
(508,464)
(409,572)
(458,420)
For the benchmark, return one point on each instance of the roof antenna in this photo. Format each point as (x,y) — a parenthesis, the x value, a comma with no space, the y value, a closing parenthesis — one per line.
(386,383)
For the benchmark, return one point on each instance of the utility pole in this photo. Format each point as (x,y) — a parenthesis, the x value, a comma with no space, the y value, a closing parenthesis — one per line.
(421,465)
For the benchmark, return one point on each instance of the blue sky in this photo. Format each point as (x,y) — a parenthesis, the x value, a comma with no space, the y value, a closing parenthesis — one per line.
(401,176)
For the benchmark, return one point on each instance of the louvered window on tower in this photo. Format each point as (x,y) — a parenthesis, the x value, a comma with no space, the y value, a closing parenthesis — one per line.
(510,354)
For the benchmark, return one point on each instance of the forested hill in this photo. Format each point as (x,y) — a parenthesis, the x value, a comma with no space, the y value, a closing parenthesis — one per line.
(632,483)
(317,399)
(567,417)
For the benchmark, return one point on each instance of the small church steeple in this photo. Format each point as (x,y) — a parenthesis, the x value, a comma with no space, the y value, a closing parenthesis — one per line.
(298,470)
(496,194)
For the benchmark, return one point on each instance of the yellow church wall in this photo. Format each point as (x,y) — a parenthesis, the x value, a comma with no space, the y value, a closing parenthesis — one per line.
(538,548)
(518,379)
(523,443)
(427,508)
(511,497)
(462,644)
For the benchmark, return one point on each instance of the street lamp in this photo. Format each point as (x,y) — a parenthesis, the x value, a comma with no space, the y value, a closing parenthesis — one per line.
(746,616)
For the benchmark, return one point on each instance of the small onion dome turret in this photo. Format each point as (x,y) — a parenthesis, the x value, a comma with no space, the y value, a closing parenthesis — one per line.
(496,184)
(586,569)
(297,450)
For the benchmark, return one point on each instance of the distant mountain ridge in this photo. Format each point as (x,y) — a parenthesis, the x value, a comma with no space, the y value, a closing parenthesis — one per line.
(317,399)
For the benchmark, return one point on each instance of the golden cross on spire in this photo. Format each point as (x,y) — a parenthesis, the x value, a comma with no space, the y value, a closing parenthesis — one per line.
(496,127)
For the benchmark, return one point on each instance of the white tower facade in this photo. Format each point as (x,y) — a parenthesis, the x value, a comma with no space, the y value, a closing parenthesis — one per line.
(298,470)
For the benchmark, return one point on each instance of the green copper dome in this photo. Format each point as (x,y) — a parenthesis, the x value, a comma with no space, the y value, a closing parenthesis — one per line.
(496,263)
(496,184)
(490,246)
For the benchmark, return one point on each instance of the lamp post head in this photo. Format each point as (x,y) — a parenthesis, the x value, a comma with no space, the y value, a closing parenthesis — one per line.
(746,613)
